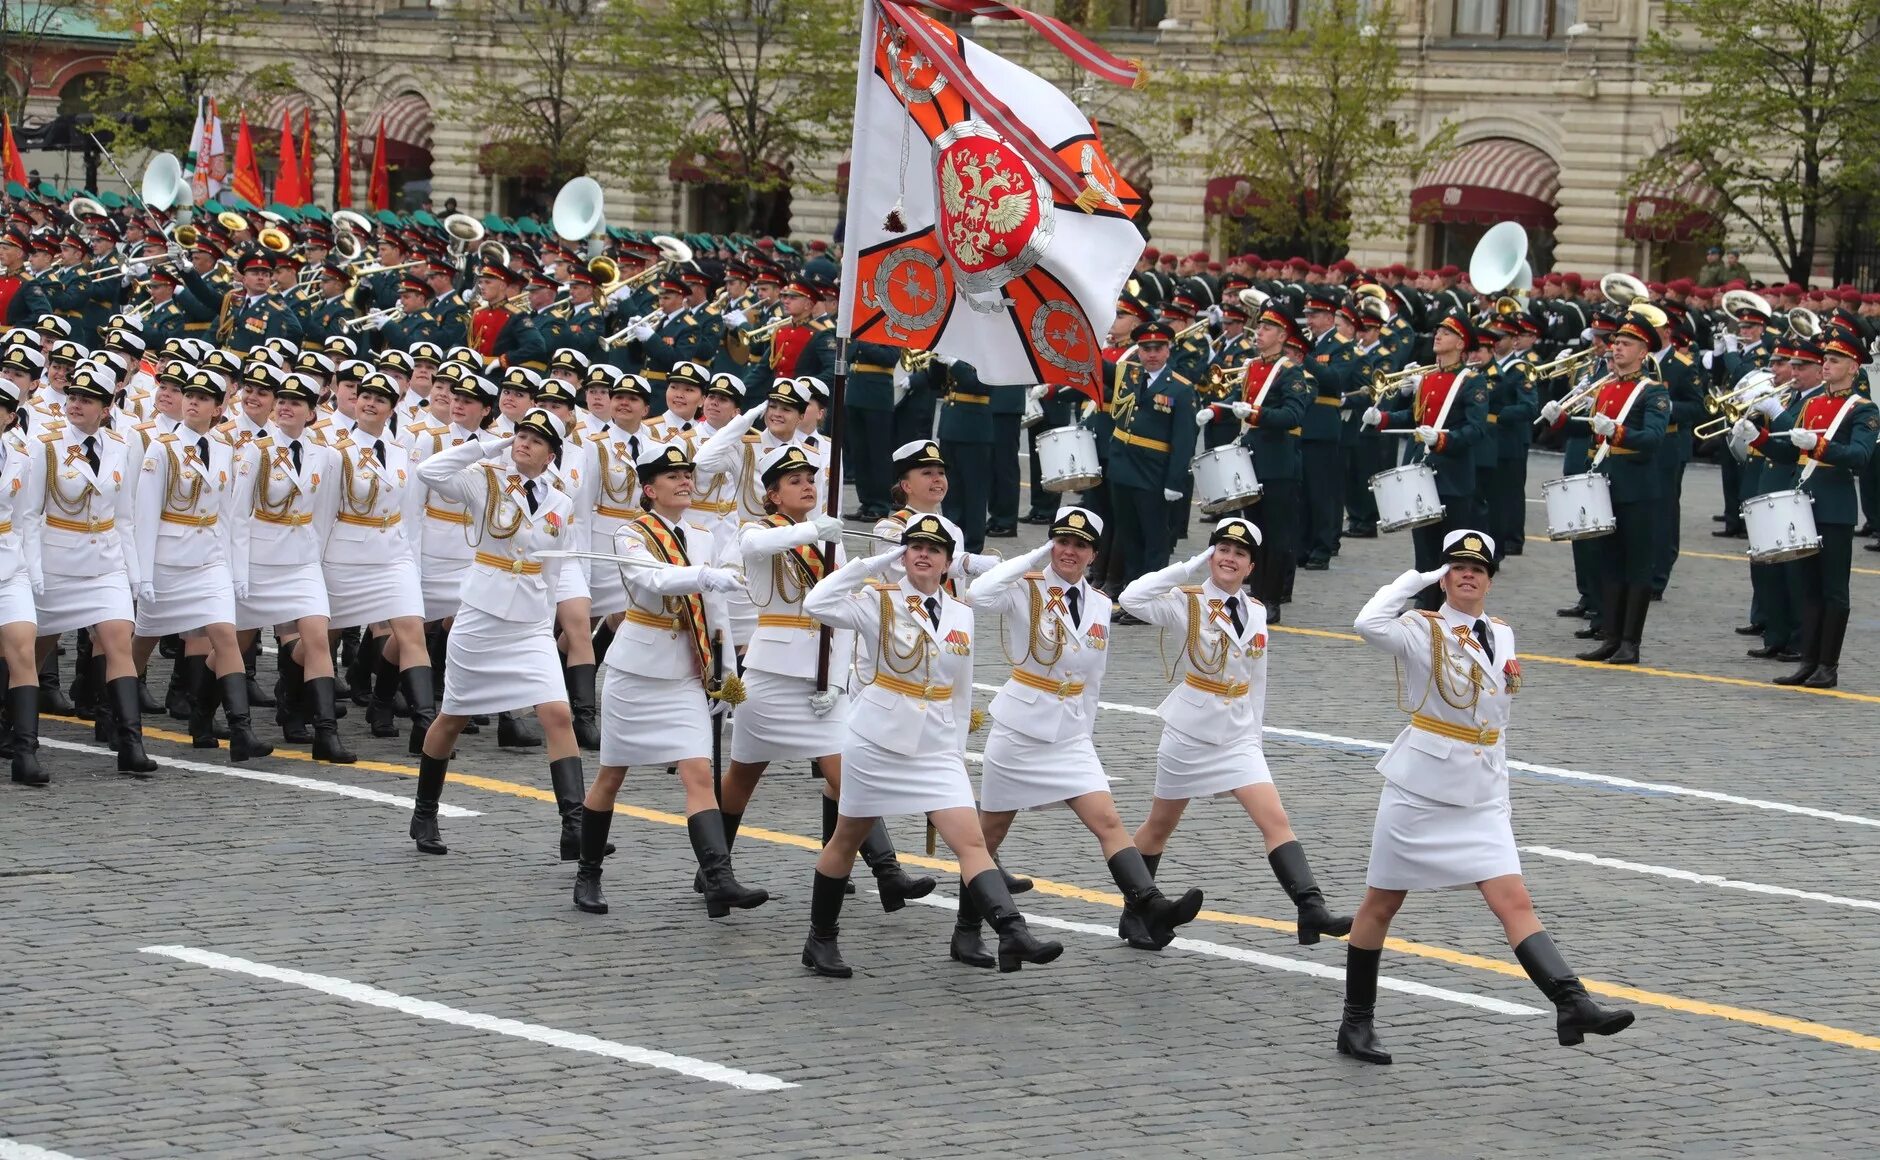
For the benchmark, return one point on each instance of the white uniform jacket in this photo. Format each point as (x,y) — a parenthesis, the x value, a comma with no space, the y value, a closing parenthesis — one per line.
(653,640)
(22,484)
(1448,753)
(787,640)
(89,525)
(445,527)
(188,510)
(506,579)
(617,479)
(918,698)
(376,502)
(292,511)
(1220,675)
(1057,675)
(733,454)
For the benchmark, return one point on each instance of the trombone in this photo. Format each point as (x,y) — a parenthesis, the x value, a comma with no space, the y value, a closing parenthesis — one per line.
(119,269)
(374,319)
(625,334)
(1567,366)
(1583,396)
(1384,382)
(1731,405)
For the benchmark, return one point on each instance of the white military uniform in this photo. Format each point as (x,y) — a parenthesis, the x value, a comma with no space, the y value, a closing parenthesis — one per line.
(290,520)
(575,476)
(1040,750)
(775,721)
(653,707)
(502,647)
(906,750)
(1444,818)
(22,486)
(728,459)
(88,544)
(616,500)
(371,557)
(445,550)
(189,529)
(1212,720)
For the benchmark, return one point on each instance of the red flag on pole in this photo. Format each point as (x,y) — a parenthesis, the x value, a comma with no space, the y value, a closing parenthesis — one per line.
(342,167)
(379,190)
(246,180)
(306,157)
(14,165)
(287,179)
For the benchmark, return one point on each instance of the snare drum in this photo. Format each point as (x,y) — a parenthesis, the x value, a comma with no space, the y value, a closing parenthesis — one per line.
(1406,497)
(1579,507)
(1067,459)
(1781,526)
(1224,479)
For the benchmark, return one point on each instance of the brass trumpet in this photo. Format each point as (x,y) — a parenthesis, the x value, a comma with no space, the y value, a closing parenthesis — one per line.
(625,334)
(915,361)
(1569,365)
(1584,396)
(375,319)
(1385,382)
(1732,405)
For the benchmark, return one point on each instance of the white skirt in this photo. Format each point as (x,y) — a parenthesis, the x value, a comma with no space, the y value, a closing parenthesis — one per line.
(571,581)
(187,599)
(16,600)
(281,594)
(494,665)
(1024,773)
(1418,843)
(443,585)
(650,721)
(370,593)
(775,722)
(72,602)
(879,783)
(1186,768)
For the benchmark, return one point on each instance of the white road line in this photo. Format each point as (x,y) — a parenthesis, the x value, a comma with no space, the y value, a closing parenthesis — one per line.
(1701,879)
(1553,771)
(14,1150)
(424,1009)
(444,809)
(1258,959)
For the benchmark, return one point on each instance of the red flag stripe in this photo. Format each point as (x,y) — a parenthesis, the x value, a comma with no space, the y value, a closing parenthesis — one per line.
(1073,44)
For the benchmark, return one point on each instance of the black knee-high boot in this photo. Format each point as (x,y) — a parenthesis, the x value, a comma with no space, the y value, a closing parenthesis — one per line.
(242,741)
(1357,1037)
(1131,928)
(1578,1014)
(894,883)
(1017,945)
(1612,607)
(178,695)
(731,822)
(420,694)
(594,847)
(380,718)
(820,952)
(352,664)
(23,718)
(126,714)
(290,697)
(52,698)
(203,700)
(424,806)
(723,892)
(570,788)
(968,946)
(102,731)
(257,696)
(1295,876)
(581,703)
(1158,913)
(517,731)
(327,745)
(87,693)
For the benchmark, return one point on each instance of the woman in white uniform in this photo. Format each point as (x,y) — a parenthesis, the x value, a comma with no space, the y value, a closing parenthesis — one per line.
(1444,817)
(906,748)
(617,451)
(1212,721)
(502,646)
(664,679)
(21,579)
(785,716)
(576,472)
(1056,631)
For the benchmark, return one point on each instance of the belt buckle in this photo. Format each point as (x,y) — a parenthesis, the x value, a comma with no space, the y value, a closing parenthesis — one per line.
(1482,735)
(926,691)
(515,567)
(1063,688)
(91,524)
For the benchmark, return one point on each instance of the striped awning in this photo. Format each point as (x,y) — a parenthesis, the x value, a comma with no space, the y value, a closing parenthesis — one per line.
(407,120)
(691,167)
(1488,181)
(1675,207)
(294,104)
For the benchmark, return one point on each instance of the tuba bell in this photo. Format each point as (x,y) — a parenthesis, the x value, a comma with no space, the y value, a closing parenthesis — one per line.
(1736,302)
(1499,261)
(163,185)
(1624,290)
(579,212)
(274,240)
(465,232)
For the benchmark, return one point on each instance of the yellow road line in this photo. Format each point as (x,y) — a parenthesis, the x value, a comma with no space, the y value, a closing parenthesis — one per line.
(1636,670)
(1724,556)
(1827,1033)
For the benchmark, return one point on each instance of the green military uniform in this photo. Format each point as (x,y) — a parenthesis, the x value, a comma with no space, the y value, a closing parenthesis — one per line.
(674,340)
(1152,441)
(572,327)
(1008,409)
(519,343)
(1637,488)
(1220,383)
(966,445)
(1683,379)
(1322,480)
(1513,407)
(445,323)
(1285,394)
(183,316)
(321,319)
(256,320)
(1727,371)
(869,398)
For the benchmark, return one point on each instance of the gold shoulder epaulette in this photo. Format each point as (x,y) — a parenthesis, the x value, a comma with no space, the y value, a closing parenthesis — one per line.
(114,433)
(167,437)
(1191,589)
(49,437)
(1428,615)
(1180,379)
(1499,620)
(753,437)
(1034,575)
(227,425)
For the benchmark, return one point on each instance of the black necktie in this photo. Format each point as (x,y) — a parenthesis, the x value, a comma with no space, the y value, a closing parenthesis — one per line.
(528,490)
(378,451)
(1485,639)
(1233,614)
(392,423)
(91,452)
(633,447)
(202,449)
(933,610)
(295,448)
(686,426)
(1075,598)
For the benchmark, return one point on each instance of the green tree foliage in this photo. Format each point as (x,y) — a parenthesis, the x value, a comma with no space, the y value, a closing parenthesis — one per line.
(178,53)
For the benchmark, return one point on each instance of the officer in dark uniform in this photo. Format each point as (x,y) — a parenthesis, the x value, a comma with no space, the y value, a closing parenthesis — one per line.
(1008,409)
(1683,377)
(1223,377)
(256,314)
(382,289)
(104,295)
(1322,468)
(1279,390)
(445,316)
(580,327)
(323,316)
(966,445)
(1772,611)
(661,342)
(1751,352)
(1152,440)
(869,442)
(21,299)
(418,325)
(1512,408)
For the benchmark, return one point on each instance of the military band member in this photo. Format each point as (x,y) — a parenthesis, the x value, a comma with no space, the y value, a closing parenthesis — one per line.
(1512,408)
(659,343)
(1040,752)
(322,315)
(1751,348)
(664,669)
(1212,739)
(254,313)
(21,298)
(22,580)
(1321,457)
(191,492)
(498,332)
(1444,819)
(1152,439)
(1683,380)
(905,748)
(500,658)
(869,396)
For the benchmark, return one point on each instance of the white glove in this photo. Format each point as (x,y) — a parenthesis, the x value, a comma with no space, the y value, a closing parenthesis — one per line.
(734,319)
(719,708)
(1770,407)
(642,332)
(622,294)
(1215,316)
(39,586)
(821,703)
(1373,417)
(241,590)
(1409,386)
(1605,425)
(1552,410)
(886,560)
(1243,410)
(828,527)
(1803,438)
(146,593)
(1427,434)
(1744,431)
(719,580)
(1586,335)
(978,563)
(1204,415)
(1038,392)
(1732,342)
(945,360)
(1425,579)
(1171,495)
(1198,563)
(1707,357)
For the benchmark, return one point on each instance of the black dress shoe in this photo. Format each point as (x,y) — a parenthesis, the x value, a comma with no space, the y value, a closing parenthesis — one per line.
(1002,532)
(1132,618)
(1574,610)
(1749,630)
(1789,655)
(1874,547)
(1316,564)
(1587,633)
(1039,517)
(1767,652)
(1719,519)
(1514,549)
(1727,533)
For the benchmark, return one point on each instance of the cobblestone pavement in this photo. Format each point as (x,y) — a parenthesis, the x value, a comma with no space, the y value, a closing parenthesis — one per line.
(1704,846)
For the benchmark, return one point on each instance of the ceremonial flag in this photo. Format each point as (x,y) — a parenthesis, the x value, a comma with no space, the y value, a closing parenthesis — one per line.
(985,219)
(246,181)
(287,178)
(342,167)
(12,165)
(207,158)
(379,189)
(306,157)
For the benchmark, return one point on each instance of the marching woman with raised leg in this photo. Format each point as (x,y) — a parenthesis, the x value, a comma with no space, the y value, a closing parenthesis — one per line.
(1040,752)
(1212,739)
(906,748)
(1444,818)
